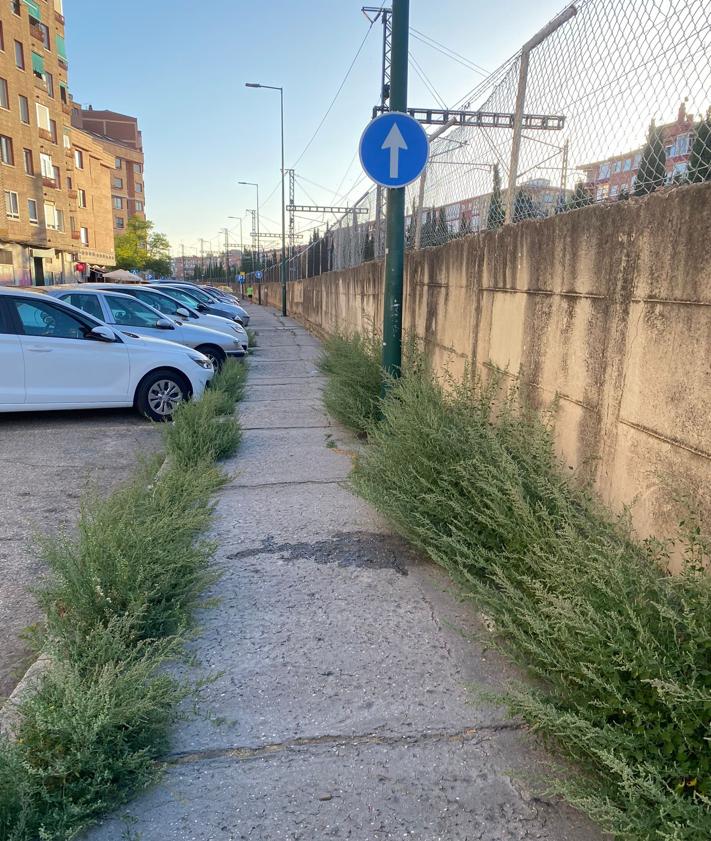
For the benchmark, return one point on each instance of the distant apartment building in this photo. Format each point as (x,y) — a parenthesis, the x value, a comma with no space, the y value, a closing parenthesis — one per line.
(36,156)
(92,225)
(193,262)
(120,137)
(606,179)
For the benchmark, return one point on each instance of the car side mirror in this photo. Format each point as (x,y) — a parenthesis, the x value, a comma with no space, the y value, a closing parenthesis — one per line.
(182,312)
(164,324)
(100,333)
(202,308)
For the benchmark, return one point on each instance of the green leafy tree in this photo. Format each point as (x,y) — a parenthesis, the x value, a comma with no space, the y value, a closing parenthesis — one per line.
(442,231)
(652,170)
(142,247)
(700,157)
(368,247)
(429,229)
(524,206)
(582,197)
(496,215)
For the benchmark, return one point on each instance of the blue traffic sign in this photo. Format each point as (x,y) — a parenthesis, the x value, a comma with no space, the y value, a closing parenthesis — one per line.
(258,275)
(241,278)
(394,149)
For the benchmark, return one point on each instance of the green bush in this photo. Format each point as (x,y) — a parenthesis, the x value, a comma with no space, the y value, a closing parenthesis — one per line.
(118,602)
(230,380)
(199,433)
(620,650)
(352,392)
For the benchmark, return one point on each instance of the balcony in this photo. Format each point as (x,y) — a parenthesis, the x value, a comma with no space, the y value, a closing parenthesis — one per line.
(66,108)
(73,194)
(40,83)
(76,235)
(68,153)
(44,134)
(59,18)
(49,182)
(63,62)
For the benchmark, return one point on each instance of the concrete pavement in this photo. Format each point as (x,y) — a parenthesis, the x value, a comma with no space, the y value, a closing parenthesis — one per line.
(343,707)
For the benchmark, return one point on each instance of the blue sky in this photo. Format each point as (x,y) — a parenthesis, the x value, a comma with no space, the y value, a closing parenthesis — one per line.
(180,67)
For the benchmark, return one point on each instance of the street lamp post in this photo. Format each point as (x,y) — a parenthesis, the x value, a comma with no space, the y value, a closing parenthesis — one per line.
(282,272)
(254,184)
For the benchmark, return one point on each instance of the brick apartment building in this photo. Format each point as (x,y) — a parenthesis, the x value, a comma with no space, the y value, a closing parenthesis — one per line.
(44,233)
(606,179)
(119,136)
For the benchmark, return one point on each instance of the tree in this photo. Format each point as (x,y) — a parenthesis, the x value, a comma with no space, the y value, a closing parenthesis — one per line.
(582,197)
(465,225)
(442,230)
(429,229)
(524,206)
(496,215)
(142,247)
(700,157)
(368,247)
(652,170)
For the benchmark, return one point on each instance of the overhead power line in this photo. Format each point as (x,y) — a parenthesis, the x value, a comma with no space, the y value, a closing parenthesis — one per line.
(441,48)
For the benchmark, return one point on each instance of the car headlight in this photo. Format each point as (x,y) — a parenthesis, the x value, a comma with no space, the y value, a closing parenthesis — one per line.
(202,362)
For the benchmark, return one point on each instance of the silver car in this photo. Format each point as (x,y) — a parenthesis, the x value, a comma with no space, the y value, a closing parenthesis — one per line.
(177,310)
(208,299)
(131,316)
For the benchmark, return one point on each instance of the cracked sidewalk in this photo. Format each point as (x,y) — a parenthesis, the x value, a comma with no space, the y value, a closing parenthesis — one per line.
(345,704)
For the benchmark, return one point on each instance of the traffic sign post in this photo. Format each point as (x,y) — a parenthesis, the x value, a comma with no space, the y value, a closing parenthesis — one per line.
(394,152)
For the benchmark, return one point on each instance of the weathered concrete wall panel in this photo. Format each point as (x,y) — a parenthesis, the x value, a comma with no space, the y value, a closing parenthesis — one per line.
(607,308)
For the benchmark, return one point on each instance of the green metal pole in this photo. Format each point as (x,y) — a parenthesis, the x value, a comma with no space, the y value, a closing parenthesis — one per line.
(395,232)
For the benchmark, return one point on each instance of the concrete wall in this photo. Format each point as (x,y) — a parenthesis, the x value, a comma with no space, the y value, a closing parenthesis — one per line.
(608,308)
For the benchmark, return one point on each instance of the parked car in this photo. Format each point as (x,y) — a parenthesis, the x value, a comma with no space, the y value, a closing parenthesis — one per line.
(54,356)
(209,300)
(128,314)
(170,306)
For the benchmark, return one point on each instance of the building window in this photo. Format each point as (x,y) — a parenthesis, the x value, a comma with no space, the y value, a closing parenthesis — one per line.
(15,4)
(4,95)
(120,222)
(12,205)
(79,158)
(45,35)
(67,139)
(24,109)
(32,211)
(63,93)
(50,216)
(46,167)
(682,144)
(59,219)
(117,163)
(6,154)
(137,168)
(81,197)
(29,161)
(139,207)
(617,167)
(42,116)
(84,234)
(613,191)
(57,177)
(49,81)
(2,37)
(19,55)
(118,202)
(69,182)
(627,166)
(38,65)
(139,188)
(53,130)
(118,183)
(58,7)
(604,171)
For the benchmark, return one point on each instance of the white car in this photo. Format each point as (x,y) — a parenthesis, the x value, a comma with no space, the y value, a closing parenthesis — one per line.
(129,315)
(178,311)
(54,356)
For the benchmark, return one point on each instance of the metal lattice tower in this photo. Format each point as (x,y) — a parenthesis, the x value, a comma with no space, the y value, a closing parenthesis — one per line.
(292,217)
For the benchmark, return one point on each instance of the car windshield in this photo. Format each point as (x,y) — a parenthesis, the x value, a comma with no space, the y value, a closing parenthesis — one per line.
(131,313)
(184,297)
(160,302)
(201,295)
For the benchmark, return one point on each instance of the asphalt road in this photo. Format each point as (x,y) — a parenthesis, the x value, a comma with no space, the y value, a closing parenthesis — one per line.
(48,462)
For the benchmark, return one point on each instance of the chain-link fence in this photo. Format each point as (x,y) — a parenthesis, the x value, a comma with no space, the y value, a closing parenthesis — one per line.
(612,99)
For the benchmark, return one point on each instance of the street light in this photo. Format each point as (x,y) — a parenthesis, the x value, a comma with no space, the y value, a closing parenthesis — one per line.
(283,211)
(254,184)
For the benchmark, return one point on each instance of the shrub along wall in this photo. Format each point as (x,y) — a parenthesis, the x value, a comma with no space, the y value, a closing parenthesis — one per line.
(607,308)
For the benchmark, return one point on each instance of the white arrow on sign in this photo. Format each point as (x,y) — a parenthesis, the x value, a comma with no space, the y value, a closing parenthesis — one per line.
(394,142)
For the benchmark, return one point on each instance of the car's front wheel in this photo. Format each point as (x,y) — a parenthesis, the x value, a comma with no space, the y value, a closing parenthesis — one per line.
(214,353)
(160,393)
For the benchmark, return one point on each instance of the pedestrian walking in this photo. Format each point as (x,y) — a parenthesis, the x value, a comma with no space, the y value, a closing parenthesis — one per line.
(250,292)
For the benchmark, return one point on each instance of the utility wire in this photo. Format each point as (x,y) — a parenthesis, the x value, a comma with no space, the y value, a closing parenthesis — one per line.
(428,84)
(442,48)
(337,94)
